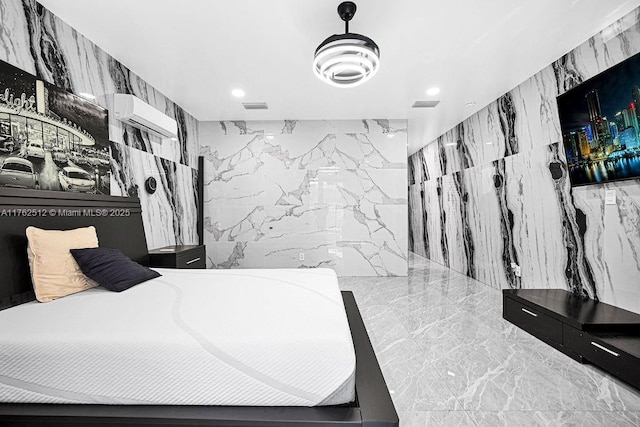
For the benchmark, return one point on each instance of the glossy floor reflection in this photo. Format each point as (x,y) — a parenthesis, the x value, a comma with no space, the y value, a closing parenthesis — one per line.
(449,358)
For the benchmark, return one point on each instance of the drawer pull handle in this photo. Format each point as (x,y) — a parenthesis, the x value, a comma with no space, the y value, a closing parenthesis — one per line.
(193,260)
(595,344)
(529,312)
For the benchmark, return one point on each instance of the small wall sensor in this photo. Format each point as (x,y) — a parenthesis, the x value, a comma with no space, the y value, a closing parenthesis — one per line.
(151,185)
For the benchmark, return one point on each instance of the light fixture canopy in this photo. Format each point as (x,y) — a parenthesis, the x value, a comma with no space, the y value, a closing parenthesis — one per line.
(349,59)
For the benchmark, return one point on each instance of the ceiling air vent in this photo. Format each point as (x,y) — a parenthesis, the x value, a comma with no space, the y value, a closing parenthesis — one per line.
(255,106)
(425,104)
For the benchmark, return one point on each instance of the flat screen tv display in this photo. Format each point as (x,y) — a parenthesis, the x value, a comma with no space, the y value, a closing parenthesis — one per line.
(600,123)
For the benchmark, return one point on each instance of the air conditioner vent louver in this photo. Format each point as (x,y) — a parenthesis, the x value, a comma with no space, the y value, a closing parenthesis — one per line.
(255,105)
(425,104)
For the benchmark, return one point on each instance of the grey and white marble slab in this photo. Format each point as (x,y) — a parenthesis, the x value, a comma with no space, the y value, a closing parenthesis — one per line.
(169,213)
(331,191)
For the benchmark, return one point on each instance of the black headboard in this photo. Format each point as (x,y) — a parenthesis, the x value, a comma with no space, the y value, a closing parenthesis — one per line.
(118,221)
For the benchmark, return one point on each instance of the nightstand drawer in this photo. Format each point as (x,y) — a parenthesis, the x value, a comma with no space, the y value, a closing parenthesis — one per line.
(185,256)
(532,320)
(192,259)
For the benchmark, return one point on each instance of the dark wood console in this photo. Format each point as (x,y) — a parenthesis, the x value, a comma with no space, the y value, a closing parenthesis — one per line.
(584,329)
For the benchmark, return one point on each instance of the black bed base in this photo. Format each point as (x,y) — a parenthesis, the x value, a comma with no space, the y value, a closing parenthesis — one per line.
(373,407)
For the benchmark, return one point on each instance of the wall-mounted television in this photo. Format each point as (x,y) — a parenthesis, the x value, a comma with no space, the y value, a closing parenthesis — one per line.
(600,123)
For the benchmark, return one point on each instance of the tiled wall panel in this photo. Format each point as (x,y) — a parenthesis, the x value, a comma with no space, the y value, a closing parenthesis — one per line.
(35,40)
(335,191)
(490,199)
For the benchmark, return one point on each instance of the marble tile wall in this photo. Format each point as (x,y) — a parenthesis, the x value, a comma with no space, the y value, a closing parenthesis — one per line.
(500,193)
(169,213)
(37,41)
(333,190)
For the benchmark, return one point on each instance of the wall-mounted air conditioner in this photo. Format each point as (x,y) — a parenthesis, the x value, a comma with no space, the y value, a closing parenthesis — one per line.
(134,111)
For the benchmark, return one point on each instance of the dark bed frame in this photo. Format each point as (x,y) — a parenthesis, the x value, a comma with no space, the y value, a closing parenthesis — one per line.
(122,228)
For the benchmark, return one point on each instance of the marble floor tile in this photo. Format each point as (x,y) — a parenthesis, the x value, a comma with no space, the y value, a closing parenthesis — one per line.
(383,326)
(445,321)
(479,354)
(510,375)
(435,418)
(531,386)
(449,359)
(551,418)
(422,393)
(493,319)
(414,304)
(401,359)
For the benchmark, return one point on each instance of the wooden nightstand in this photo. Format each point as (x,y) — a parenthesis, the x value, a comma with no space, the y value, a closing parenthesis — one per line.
(182,256)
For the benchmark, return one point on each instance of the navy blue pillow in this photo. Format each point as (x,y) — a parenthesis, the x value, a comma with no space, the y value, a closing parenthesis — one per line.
(112,269)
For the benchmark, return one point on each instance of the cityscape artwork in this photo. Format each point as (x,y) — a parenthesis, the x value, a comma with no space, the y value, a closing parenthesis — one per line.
(50,139)
(600,121)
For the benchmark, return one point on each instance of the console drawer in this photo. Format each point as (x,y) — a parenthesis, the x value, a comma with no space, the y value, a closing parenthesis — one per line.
(586,330)
(601,353)
(532,320)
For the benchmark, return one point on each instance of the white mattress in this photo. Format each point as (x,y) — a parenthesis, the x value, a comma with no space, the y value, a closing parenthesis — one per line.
(191,337)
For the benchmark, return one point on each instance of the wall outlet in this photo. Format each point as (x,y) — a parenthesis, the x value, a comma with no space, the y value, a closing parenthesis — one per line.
(610,197)
(517,271)
(301,256)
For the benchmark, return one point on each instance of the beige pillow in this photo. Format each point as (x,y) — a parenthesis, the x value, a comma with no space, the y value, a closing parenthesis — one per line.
(54,272)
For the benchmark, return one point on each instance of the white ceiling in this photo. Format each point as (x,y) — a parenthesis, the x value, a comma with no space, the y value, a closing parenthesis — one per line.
(196,51)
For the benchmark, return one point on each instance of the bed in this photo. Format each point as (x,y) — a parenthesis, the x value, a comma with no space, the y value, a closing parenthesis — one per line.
(342,384)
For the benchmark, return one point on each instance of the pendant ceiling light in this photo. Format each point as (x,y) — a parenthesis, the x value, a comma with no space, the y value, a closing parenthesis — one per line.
(349,59)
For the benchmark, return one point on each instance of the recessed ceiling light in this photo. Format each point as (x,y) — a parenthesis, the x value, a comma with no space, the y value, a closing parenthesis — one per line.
(433,91)
(391,135)
(270,136)
(238,93)
(470,104)
(87,95)
(489,142)
(451,144)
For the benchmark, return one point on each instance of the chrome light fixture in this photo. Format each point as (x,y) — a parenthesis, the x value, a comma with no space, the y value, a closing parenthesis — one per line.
(349,59)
